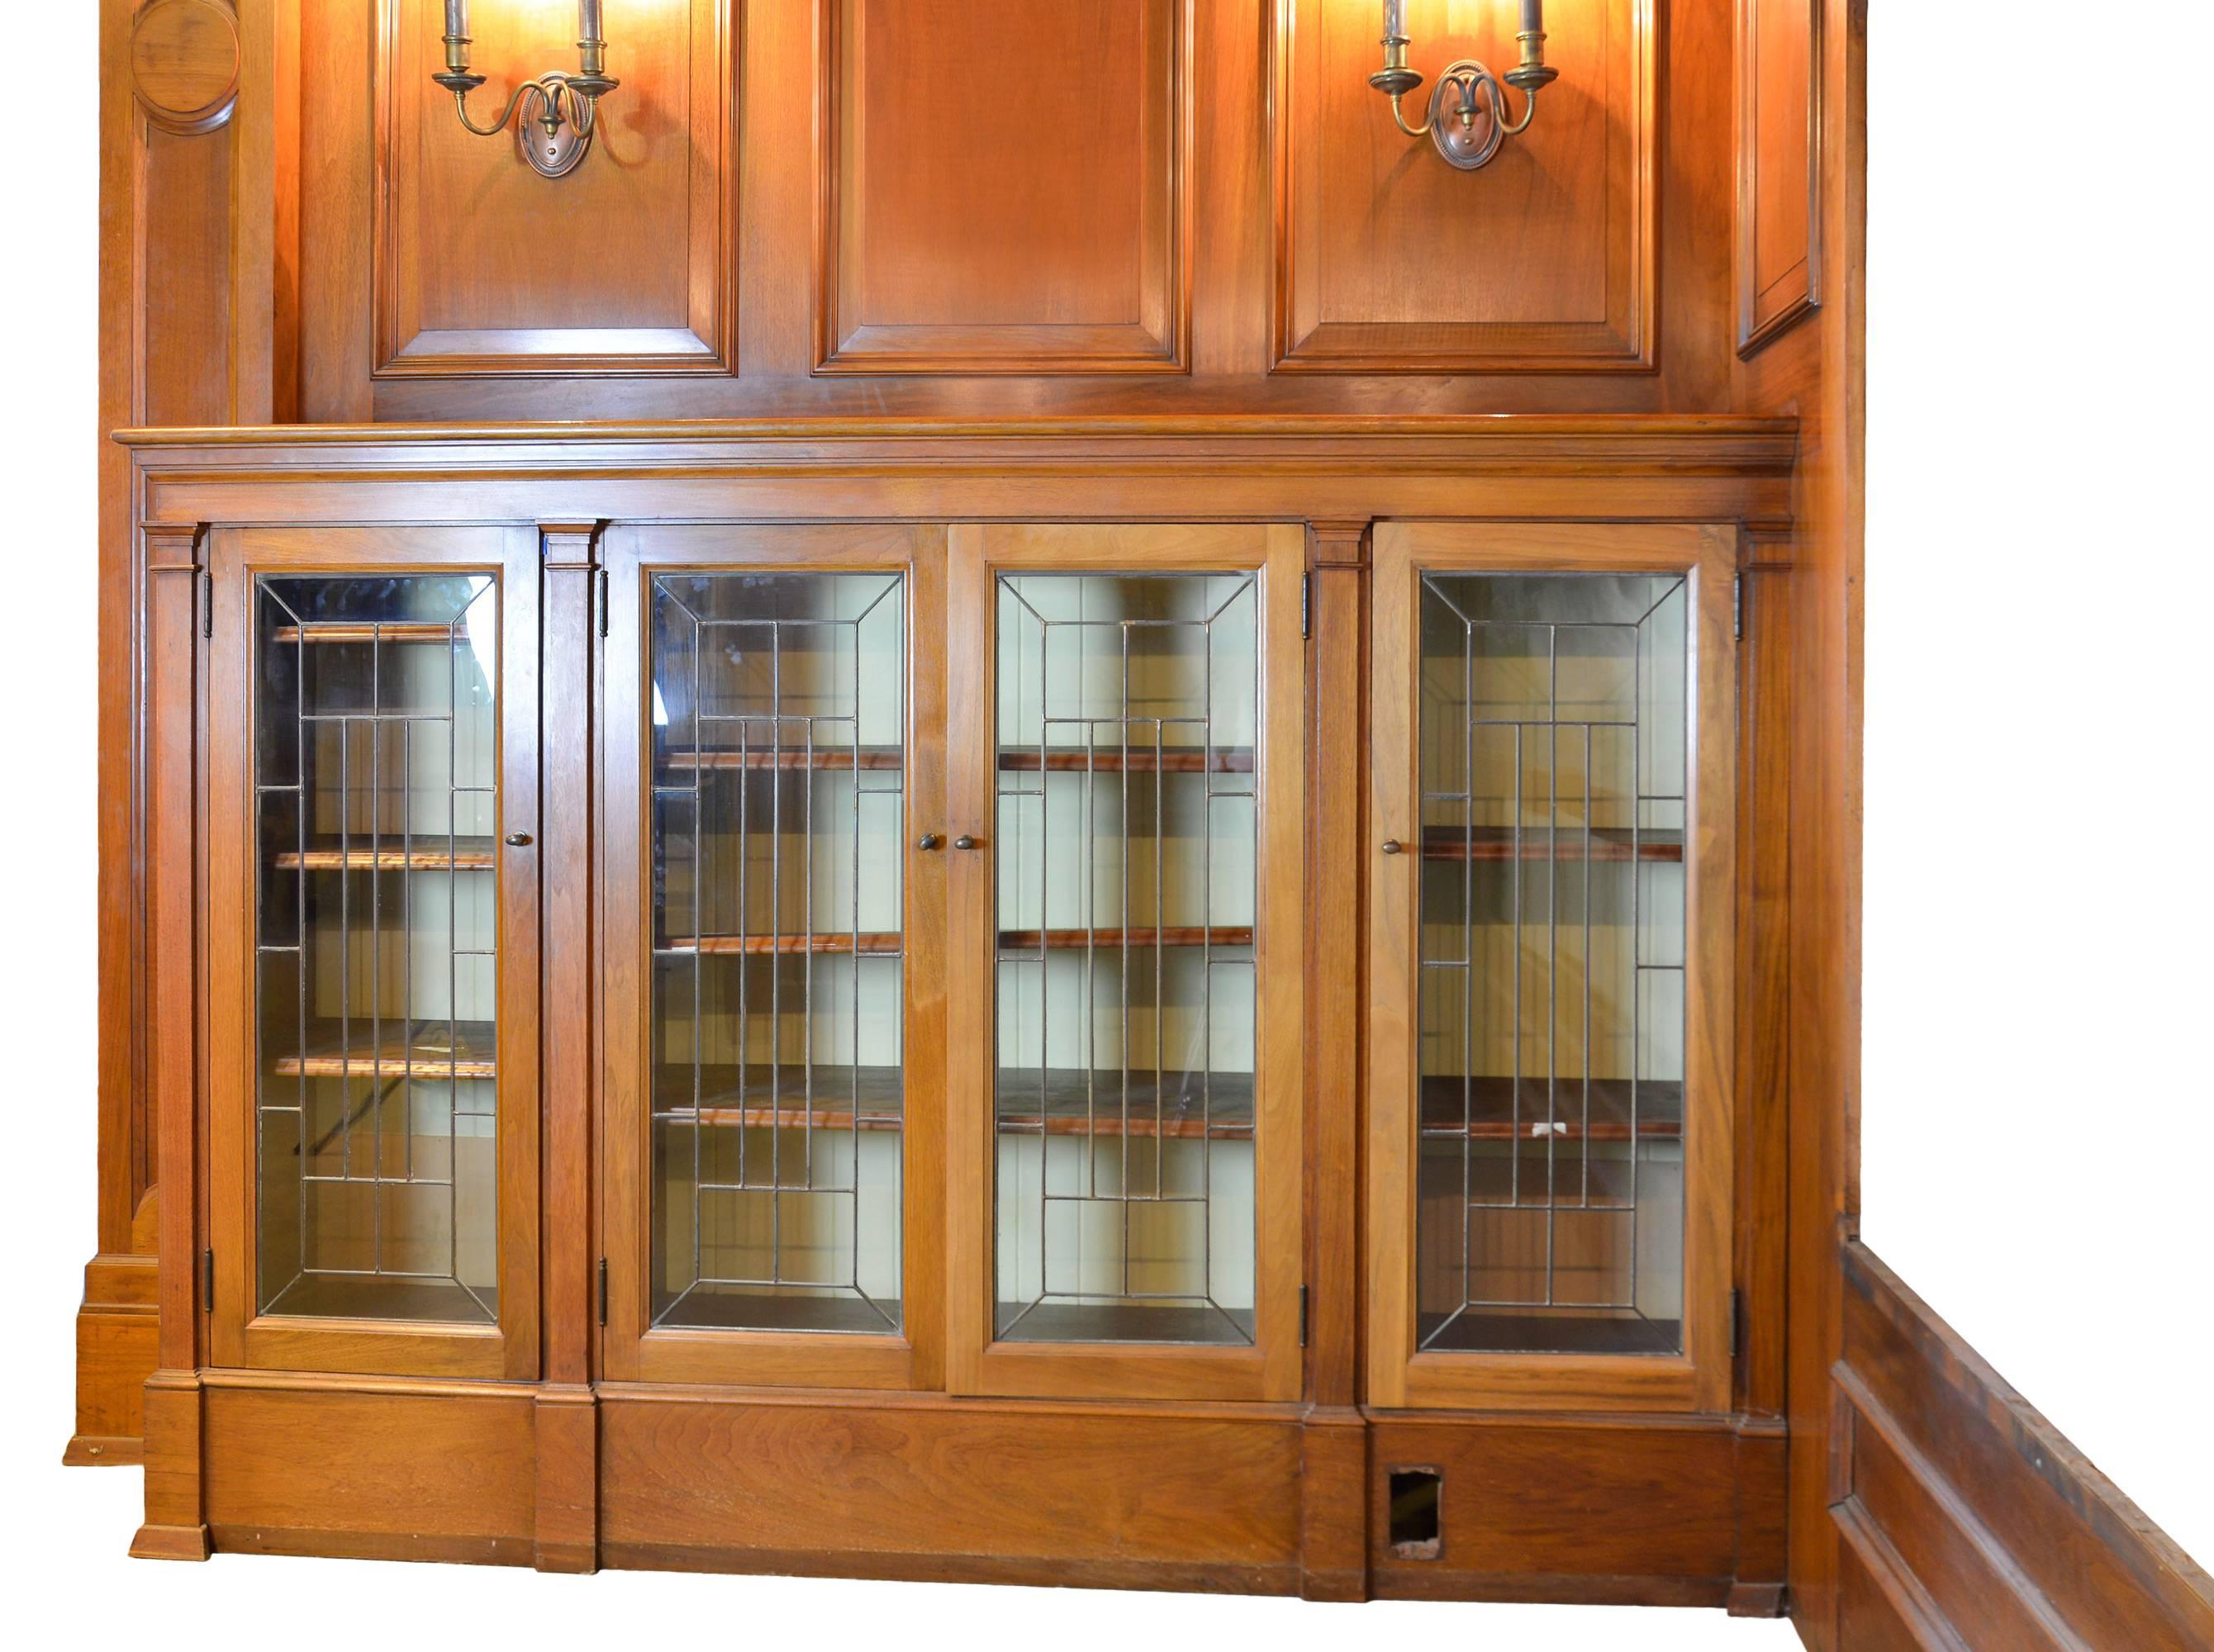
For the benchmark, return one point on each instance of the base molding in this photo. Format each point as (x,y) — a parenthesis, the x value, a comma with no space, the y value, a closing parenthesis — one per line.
(1250,1499)
(171,1542)
(117,1332)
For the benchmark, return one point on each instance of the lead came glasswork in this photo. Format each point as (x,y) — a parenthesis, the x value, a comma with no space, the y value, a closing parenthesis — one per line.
(1553,733)
(1125,875)
(778,743)
(377,801)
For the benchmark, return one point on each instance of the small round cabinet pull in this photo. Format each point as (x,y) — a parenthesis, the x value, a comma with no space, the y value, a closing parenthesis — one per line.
(929,841)
(964,841)
(517,840)
(1392,845)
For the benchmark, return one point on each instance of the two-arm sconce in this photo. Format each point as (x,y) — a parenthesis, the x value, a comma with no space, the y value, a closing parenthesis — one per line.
(563,106)
(1468,108)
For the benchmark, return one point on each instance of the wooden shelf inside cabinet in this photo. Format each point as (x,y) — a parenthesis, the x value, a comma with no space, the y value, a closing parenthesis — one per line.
(1539,843)
(837,760)
(412,631)
(1223,760)
(370,1048)
(390,853)
(867,944)
(1069,940)
(1482,1109)
(869,1098)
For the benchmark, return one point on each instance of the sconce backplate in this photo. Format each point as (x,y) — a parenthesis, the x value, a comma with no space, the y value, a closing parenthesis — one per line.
(1468,144)
(551,155)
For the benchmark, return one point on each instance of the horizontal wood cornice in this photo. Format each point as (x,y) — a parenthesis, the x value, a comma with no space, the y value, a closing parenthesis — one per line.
(1621,444)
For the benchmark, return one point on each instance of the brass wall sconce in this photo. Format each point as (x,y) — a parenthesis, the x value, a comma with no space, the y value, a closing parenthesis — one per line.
(563,107)
(1467,119)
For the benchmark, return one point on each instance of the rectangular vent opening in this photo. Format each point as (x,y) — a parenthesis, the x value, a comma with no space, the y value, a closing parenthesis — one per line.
(1416,1494)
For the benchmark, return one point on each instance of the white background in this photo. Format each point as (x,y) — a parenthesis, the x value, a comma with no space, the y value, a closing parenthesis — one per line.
(2039,1145)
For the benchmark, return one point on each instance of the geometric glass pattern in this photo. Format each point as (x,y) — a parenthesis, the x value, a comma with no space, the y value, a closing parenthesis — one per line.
(1125,890)
(1553,731)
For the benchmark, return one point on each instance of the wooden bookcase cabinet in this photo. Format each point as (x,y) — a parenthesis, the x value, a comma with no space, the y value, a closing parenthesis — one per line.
(1173,1051)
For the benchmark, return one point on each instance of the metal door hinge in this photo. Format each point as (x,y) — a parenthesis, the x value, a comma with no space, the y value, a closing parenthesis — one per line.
(600,1294)
(599,598)
(1306,603)
(1303,1316)
(1737,608)
(207,605)
(1737,1324)
(207,1282)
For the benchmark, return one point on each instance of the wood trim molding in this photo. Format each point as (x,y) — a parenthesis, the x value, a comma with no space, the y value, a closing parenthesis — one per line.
(1768,309)
(848,343)
(1968,1519)
(707,342)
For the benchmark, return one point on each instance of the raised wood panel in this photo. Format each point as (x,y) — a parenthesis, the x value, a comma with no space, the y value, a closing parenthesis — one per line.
(1005,187)
(862,1484)
(1389,260)
(482,267)
(1969,1515)
(1635,1511)
(1779,176)
(332,1472)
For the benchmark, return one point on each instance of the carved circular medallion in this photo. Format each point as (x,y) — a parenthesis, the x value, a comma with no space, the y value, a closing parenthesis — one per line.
(184,62)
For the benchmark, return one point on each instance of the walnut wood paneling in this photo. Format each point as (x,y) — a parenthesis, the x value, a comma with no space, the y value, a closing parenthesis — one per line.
(1970,1519)
(914,1487)
(1005,187)
(479,266)
(1779,166)
(433,1475)
(1390,260)
(1642,1512)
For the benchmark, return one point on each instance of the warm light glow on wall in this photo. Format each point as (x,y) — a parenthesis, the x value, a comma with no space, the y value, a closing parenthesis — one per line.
(1467,119)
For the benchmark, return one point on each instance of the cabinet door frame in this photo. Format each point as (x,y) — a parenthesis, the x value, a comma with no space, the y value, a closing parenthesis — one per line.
(1699,1378)
(1270,1369)
(240,1336)
(632,1349)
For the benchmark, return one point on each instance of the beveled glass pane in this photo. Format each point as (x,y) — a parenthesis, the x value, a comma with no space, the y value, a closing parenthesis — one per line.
(1552,730)
(1125,866)
(375,765)
(777,738)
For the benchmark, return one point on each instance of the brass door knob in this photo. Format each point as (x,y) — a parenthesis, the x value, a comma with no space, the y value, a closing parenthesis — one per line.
(964,841)
(1392,845)
(517,840)
(929,841)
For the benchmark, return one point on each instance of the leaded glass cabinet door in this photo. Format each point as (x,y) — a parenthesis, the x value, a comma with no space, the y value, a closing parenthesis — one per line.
(771,772)
(1552,816)
(373,939)
(1125,1051)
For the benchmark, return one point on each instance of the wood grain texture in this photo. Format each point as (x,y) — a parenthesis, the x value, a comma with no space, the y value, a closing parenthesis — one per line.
(185,61)
(1389,260)
(1779,167)
(479,266)
(347,1470)
(933,1480)
(1814,372)
(1577,1509)
(977,221)
(1988,1517)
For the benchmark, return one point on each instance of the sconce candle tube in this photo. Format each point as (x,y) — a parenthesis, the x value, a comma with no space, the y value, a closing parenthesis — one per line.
(1533,16)
(457,17)
(588,20)
(1394,20)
